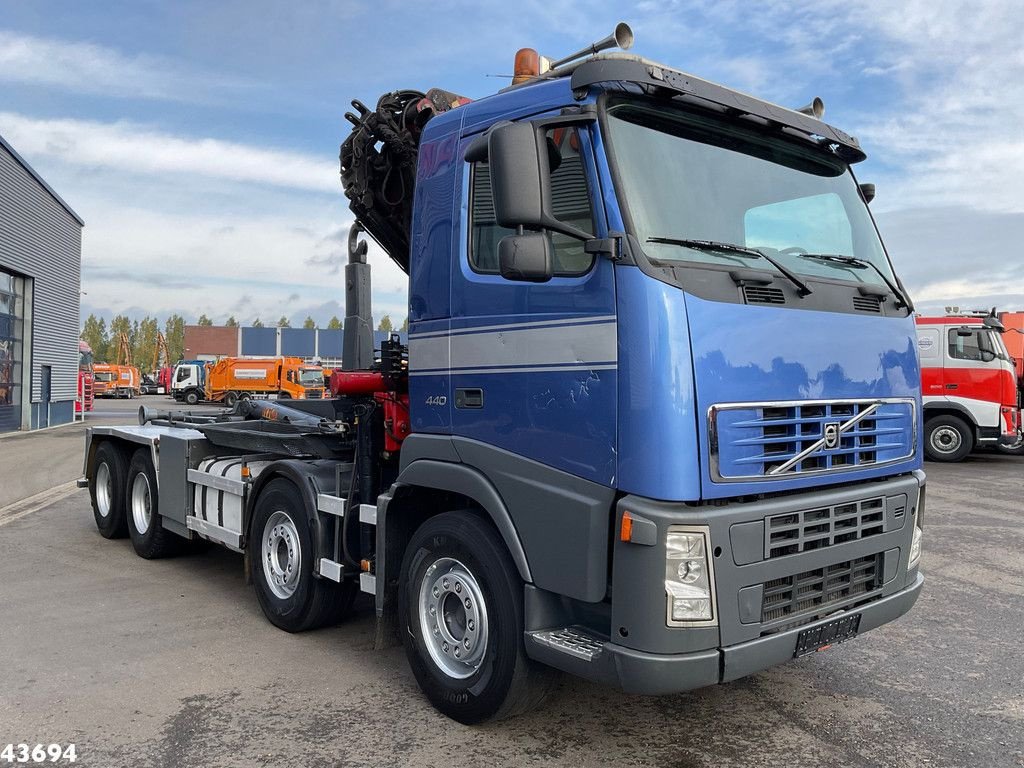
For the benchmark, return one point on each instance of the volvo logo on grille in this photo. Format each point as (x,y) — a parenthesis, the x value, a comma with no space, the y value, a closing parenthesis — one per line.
(831,435)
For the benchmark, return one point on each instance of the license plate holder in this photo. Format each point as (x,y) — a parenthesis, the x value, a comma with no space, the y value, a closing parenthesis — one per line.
(832,632)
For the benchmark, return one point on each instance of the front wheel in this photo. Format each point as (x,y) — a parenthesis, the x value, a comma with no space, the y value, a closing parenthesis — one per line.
(461,620)
(191,397)
(291,597)
(947,439)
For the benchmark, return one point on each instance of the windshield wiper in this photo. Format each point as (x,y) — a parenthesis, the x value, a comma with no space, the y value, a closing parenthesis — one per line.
(856,262)
(712,246)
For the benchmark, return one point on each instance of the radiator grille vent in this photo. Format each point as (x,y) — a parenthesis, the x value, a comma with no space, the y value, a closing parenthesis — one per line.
(795,532)
(759,294)
(816,593)
(867,304)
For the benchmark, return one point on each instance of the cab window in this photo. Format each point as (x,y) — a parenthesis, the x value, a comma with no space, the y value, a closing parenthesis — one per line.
(570,202)
(976,346)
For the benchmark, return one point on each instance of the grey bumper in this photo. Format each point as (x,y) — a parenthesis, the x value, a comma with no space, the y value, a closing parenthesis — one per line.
(648,673)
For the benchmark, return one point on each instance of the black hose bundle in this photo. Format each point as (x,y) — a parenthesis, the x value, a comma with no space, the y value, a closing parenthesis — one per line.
(378,163)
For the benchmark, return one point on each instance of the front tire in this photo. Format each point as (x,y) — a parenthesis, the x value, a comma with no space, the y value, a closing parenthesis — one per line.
(191,397)
(149,538)
(947,439)
(106,489)
(282,565)
(461,618)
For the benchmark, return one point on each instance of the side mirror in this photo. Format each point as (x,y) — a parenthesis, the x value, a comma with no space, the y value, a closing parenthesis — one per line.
(520,176)
(867,191)
(520,161)
(527,258)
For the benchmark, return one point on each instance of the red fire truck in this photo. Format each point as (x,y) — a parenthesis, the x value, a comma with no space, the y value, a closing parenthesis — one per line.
(969,385)
(84,401)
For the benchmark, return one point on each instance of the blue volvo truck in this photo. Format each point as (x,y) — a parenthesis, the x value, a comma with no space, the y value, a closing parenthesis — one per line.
(656,424)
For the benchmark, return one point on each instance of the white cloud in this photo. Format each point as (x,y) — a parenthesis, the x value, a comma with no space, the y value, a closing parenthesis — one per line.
(136,149)
(94,69)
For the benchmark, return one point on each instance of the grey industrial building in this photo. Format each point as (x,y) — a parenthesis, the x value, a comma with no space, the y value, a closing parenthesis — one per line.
(40,277)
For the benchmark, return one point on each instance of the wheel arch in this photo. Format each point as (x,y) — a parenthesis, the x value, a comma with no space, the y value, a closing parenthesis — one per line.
(931,410)
(426,480)
(309,481)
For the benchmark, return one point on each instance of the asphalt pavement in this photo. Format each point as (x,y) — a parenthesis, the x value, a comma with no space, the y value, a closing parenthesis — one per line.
(171,663)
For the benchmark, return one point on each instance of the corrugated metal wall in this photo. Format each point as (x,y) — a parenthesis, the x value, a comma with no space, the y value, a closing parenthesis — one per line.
(40,239)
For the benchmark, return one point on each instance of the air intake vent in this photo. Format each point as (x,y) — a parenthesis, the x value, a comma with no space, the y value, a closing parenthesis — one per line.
(759,294)
(867,303)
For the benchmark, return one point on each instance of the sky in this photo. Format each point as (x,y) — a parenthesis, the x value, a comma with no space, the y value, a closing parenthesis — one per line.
(199,140)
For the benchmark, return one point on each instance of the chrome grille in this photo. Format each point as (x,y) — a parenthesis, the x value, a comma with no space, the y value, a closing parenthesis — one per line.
(783,439)
(812,594)
(794,532)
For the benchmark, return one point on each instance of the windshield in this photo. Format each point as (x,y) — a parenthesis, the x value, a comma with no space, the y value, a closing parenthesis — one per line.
(85,360)
(105,376)
(311,377)
(689,177)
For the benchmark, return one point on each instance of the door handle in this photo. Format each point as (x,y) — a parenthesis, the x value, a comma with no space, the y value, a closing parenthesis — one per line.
(472,397)
(952,386)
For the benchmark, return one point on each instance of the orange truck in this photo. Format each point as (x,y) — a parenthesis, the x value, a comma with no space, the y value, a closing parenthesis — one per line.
(111,380)
(231,378)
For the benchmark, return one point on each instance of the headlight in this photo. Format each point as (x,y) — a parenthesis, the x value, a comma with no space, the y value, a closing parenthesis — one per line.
(915,548)
(688,578)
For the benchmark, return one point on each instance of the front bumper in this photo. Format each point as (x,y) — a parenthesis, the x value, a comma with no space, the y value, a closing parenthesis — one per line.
(655,674)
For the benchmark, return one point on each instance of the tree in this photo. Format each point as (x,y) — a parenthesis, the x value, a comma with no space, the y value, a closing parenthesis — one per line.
(309,322)
(231,322)
(174,335)
(405,326)
(144,348)
(334,324)
(120,324)
(94,333)
(385,324)
(257,323)
(283,322)
(204,320)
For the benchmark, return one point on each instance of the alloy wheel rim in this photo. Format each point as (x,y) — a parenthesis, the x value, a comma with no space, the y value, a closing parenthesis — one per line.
(281,555)
(453,618)
(946,440)
(104,489)
(142,503)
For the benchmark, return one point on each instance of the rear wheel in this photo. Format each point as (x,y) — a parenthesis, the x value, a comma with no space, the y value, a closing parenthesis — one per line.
(230,399)
(149,538)
(1014,449)
(106,489)
(461,619)
(947,438)
(282,565)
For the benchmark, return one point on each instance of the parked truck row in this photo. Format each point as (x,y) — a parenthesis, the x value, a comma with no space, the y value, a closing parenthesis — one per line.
(577,463)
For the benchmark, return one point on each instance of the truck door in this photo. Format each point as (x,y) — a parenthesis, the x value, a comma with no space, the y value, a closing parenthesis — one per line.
(973,373)
(533,365)
(929,349)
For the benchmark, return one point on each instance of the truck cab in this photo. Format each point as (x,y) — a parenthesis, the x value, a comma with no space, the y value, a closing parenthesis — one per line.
(969,385)
(188,383)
